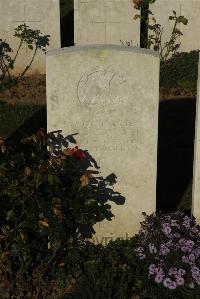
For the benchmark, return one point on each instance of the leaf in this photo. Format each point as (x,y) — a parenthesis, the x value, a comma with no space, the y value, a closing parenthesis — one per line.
(85,180)
(136,17)
(10,214)
(27,171)
(51,136)
(1,140)
(67,152)
(52,148)
(44,222)
(3,148)
(182,19)
(61,264)
(30,47)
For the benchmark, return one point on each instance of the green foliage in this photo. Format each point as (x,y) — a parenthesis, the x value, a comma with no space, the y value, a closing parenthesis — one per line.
(155,39)
(186,200)
(180,71)
(122,269)
(33,39)
(65,7)
(49,203)
(112,272)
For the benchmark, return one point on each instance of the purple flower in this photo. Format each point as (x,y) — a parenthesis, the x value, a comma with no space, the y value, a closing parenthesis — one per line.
(166,228)
(191,257)
(197,252)
(186,245)
(180,281)
(195,270)
(185,259)
(195,229)
(152,249)
(173,285)
(152,269)
(169,243)
(196,277)
(172,271)
(159,278)
(177,235)
(172,238)
(139,249)
(164,250)
(186,222)
(141,256)
(175,224)
(181,271)
(170,284)
(191,285)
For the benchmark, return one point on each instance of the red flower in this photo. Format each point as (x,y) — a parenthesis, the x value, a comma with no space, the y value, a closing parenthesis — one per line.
(77,154)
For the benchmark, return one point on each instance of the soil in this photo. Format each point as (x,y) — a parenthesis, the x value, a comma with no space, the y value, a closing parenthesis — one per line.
(32,90)
(29,90)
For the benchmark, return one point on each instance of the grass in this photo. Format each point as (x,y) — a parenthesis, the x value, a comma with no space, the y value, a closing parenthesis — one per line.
(21,117)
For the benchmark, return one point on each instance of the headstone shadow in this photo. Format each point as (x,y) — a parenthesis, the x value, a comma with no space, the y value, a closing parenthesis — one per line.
(175,151)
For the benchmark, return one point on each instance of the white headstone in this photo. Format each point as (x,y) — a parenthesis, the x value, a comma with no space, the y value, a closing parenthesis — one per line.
(109,95)
(43,15)
(196,168)
(105,22)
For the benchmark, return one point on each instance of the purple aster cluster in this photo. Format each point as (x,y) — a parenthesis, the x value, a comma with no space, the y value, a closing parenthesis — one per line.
(169,245)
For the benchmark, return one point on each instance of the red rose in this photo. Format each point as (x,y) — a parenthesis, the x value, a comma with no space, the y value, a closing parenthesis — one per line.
(77,154)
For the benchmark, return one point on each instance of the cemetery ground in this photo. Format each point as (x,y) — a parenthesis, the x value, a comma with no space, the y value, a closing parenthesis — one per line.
(23,108)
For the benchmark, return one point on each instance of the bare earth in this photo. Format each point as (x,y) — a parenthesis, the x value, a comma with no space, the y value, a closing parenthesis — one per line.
(29,90)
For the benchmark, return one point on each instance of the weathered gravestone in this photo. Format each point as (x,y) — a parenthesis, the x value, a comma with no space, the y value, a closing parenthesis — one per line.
(43,15)
(109,95)
(105,22)
(196,168)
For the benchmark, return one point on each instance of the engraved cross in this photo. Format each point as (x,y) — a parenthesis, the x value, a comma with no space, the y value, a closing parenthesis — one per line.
(105,22)
(25,18)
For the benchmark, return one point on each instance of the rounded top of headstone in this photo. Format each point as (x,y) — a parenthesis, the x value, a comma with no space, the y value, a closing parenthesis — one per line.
(102,47)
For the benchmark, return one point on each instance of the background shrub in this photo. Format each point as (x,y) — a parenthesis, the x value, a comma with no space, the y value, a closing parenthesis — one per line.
(180,71)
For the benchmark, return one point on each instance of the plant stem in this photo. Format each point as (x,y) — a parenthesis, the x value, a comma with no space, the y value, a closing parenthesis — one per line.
(144,26)
(7,69)
(21,42)
(28,66)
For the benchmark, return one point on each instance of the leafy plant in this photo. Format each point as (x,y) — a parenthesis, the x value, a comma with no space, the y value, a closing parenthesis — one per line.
(135,268)
(169,246)
(180,71)
(155,39)
(33,39)
(49,203)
